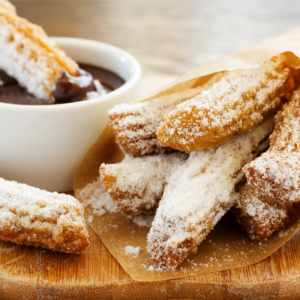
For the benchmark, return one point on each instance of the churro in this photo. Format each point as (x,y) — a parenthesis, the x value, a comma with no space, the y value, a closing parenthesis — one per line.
(276,174)
(33,217)
(29,56)
(259,219)
(136,184)
(198,194)
(135,125)
(234,105)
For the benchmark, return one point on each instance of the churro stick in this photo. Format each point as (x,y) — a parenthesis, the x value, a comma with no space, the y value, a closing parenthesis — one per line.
(136,184)
(4,4)
(234,105)
(276,174)
(29,56)
(257,218)
(34,217)
(135,125)
(198,194)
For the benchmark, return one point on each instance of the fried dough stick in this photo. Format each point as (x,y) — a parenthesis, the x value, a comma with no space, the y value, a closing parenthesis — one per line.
(29,56)
(198,194)
(276,174)
(135,125)
(136,184)
(33,217)
(257,218)
(4,4)
(234,105)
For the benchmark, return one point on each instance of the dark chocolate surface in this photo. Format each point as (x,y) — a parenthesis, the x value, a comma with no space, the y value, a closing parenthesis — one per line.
(92,82)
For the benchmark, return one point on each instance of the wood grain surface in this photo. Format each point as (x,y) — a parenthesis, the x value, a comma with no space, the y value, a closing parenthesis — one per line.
(168,38)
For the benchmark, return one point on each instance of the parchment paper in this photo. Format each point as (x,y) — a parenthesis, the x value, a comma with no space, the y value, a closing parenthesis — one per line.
(226,247)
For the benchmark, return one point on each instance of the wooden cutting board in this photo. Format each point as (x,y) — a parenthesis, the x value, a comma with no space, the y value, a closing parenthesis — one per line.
(34,273)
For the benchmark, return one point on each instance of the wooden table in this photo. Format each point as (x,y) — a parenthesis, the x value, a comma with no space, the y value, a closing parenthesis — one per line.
(168,37)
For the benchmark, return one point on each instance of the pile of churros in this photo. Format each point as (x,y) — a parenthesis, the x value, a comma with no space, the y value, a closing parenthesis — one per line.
(187,154)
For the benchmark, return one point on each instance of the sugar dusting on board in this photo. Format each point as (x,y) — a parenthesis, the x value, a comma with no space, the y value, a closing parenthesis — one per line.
(98,198)
(143,220)
(95,195)
(132,250)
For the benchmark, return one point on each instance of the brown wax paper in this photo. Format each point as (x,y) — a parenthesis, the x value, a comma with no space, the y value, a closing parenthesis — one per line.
(226,247)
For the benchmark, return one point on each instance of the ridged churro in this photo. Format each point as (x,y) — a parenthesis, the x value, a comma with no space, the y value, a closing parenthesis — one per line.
(198,194)
(276,174)
(259,219)
(234,105)
(135,125)
(136,184)
(33,217)
(29,56)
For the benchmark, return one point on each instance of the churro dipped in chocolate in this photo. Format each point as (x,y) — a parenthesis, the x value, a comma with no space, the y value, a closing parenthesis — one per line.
(33,217)
(234,105)
(27,55)
(198,194)
(259,219)
(135,125)
(275,175)
(136,184)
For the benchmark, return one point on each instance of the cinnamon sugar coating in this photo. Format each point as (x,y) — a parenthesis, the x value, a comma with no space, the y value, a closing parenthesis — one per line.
(33,217)
(198,194)
(136,184)
(135,125)
(234,105)
(276,174)
(259,219)
(28,55)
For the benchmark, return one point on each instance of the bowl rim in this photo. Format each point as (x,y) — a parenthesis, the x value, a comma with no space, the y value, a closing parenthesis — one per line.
(75,105)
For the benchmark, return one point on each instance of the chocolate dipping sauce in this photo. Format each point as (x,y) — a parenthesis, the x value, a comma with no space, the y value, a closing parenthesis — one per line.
(92,82)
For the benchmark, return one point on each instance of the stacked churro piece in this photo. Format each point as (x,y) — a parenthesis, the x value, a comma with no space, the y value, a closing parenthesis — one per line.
(274,177)
(258,218)
(234,105)
(135,125)
(29,56)
(276,173)
(198,194)
(137,184)
(223,127)
(34,217)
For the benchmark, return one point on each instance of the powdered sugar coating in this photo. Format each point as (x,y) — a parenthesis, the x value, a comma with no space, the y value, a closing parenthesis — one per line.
(234,105)
(198,194)
(136,124)
(98,198)
(136,184)
(35,217)
(28,55)
(132,250)
(276,173)
(257,218)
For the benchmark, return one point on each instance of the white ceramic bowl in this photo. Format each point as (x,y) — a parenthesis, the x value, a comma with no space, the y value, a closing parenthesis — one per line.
(42,145)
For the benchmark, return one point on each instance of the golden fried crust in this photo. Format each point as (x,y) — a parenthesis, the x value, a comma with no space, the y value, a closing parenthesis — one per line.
(276,174)
(135,125)
(257,218)
(234,105)
(33,217)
